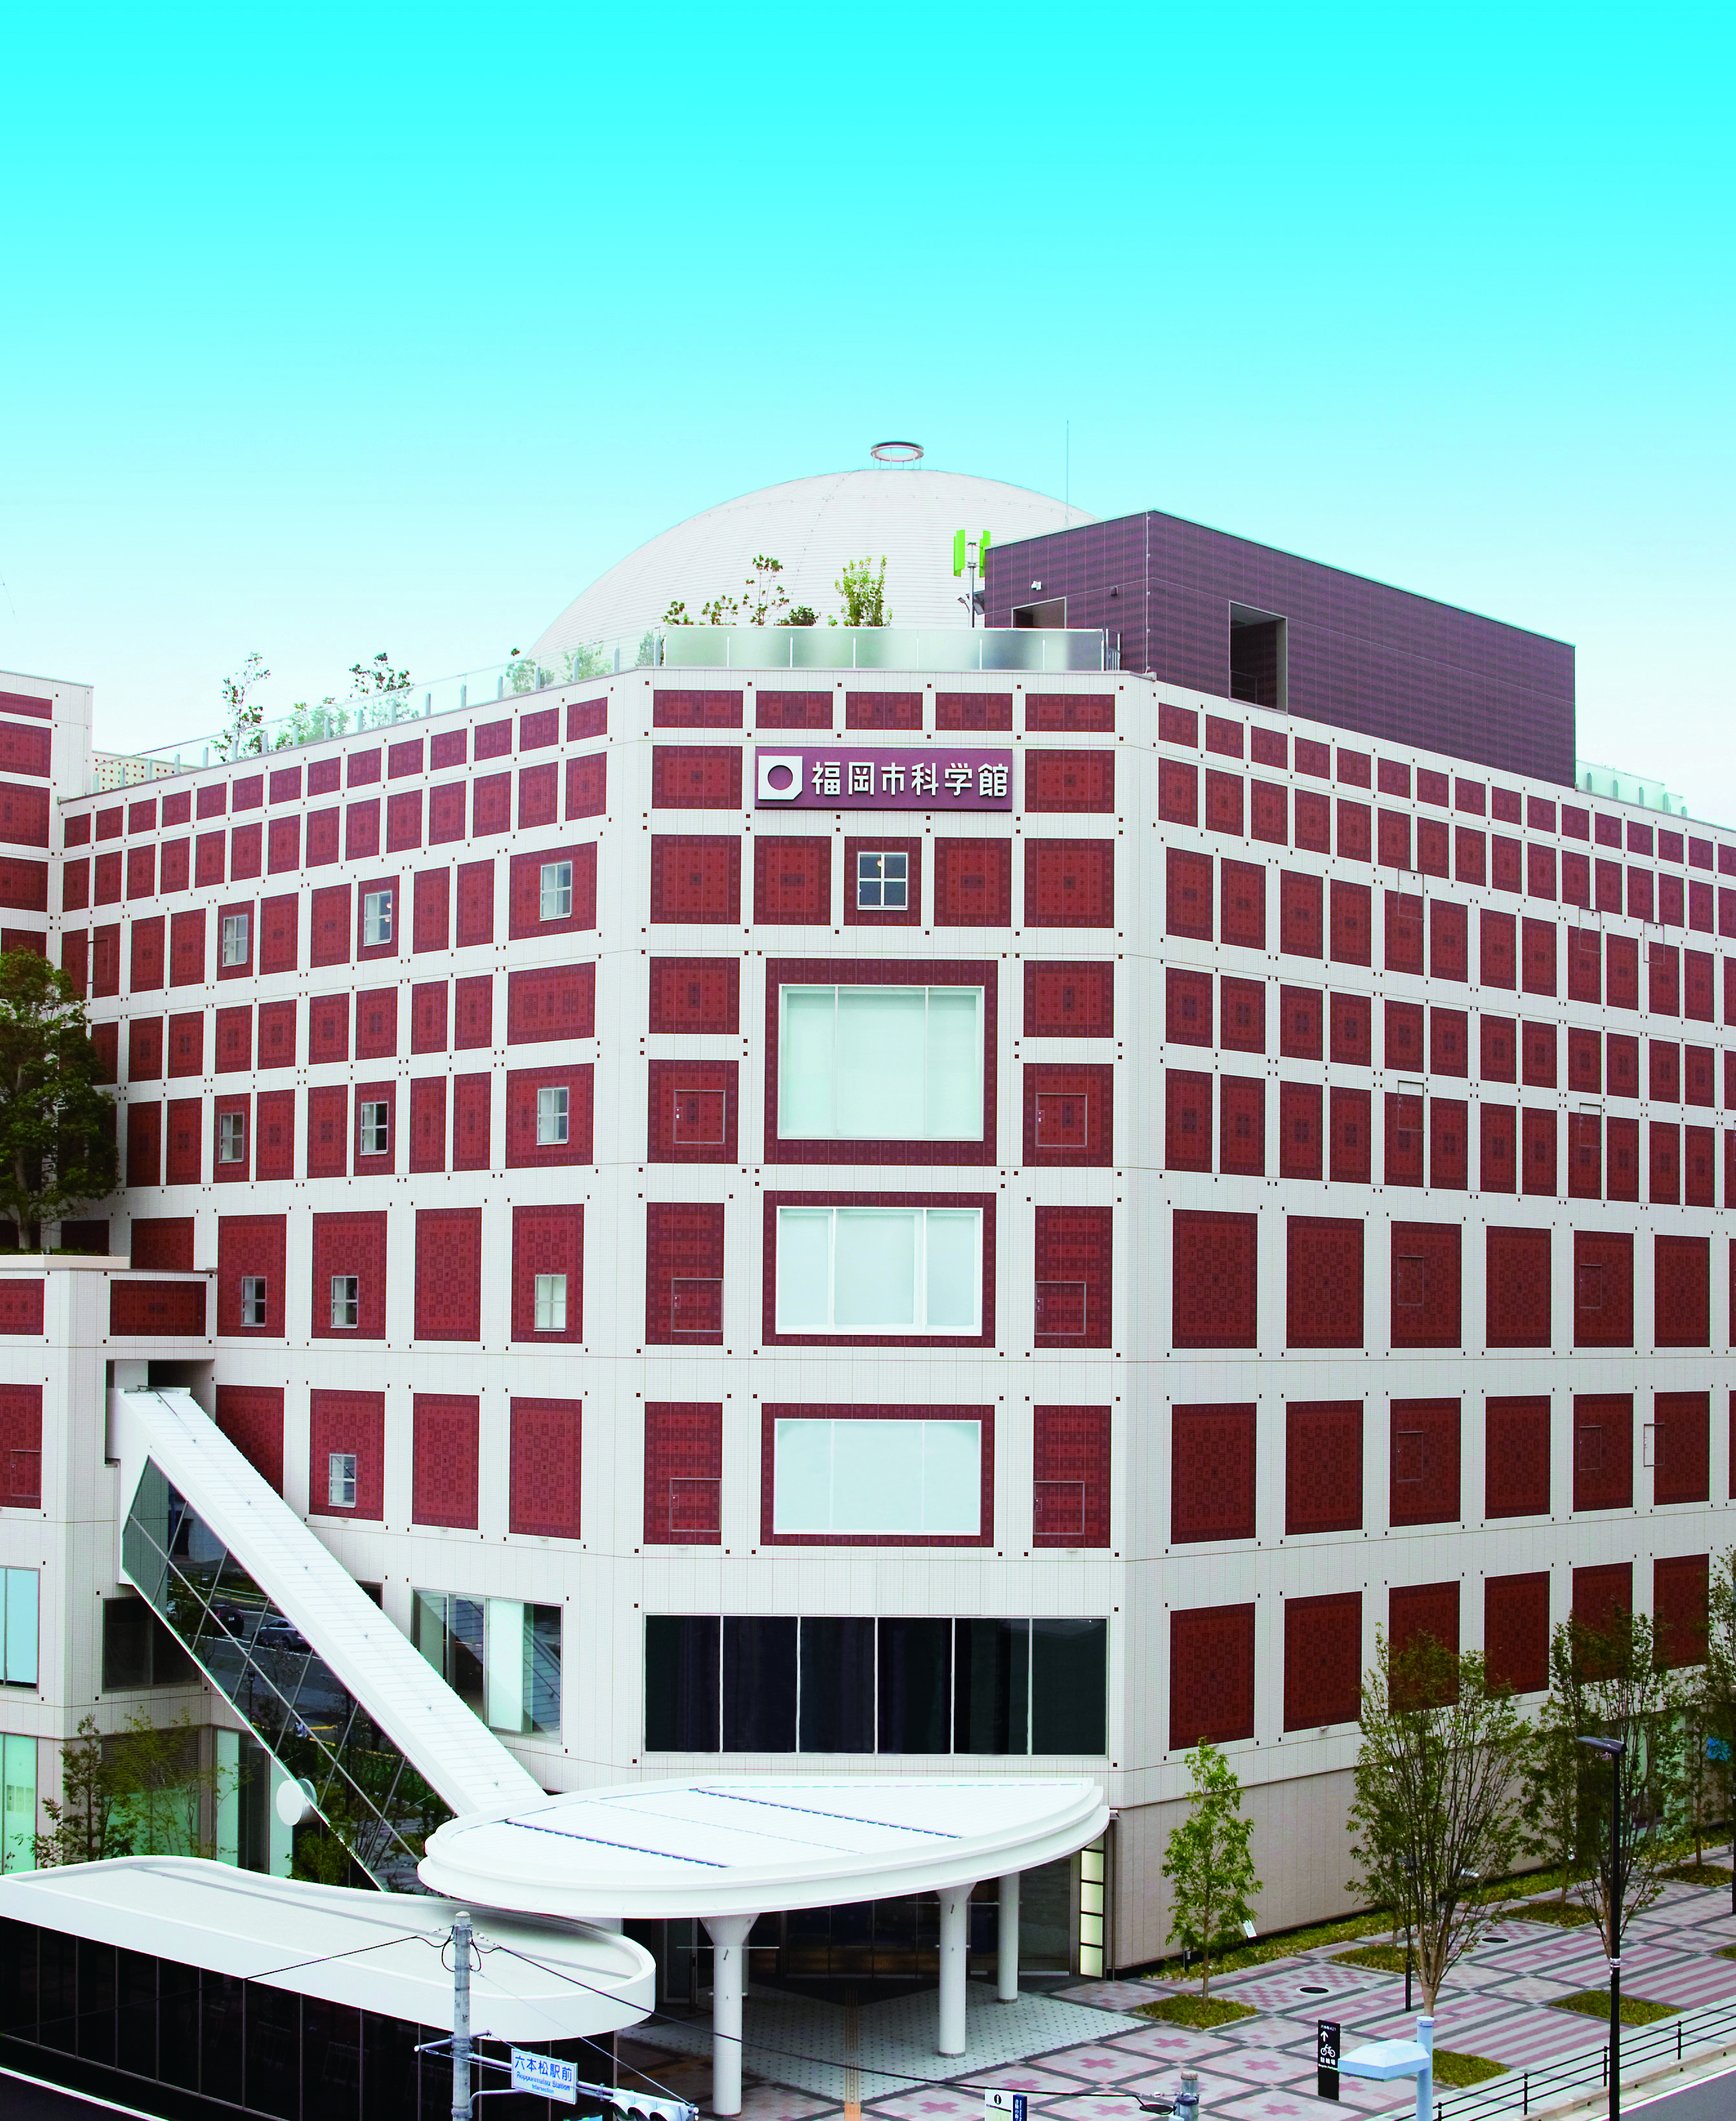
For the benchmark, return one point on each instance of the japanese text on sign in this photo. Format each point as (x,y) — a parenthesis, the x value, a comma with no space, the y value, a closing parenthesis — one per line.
(904,779)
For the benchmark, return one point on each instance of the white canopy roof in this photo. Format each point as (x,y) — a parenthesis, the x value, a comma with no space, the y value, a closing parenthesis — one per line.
(380,1951)
(728,1844)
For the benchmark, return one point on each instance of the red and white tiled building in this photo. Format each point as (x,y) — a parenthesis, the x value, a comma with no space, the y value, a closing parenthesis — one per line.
(1030,1270)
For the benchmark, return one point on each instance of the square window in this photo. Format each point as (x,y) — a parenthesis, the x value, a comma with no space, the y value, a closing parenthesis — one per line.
(555,898)
(883,882)
(551,1303)
(551,1117)
(376,919)
(237,929)
(346,1299)
(373,1128)
(231,1137)
(340,1481)
(252,1299)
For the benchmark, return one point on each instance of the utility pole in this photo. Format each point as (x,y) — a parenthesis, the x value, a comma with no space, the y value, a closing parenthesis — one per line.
(461,2016)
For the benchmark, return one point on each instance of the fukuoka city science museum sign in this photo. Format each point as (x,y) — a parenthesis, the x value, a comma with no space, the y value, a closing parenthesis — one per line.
(863,779)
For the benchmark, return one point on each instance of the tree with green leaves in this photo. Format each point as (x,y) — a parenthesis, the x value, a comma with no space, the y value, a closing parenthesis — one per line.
(244,714)
(85,1824)
(1608,1683)
(166,1792)
(56,1122)
(1715,1688)
(1436,1809)
(864,593)
(1209,1862)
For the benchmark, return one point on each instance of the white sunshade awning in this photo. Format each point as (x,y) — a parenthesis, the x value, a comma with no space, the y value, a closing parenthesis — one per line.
(449,1746)
(748,1844)
(379,1951)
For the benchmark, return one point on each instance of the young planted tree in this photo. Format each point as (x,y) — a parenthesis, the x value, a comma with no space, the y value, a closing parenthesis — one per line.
(1209,1862)
(864,593)
(1715,1690)
(1608,1683)
(166,1793)
(85,1824)
(1437,1809)
(57,1123)
(1551,1804)
(244,714)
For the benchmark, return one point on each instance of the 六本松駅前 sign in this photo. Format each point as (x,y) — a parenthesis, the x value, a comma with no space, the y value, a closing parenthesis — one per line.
(935,778)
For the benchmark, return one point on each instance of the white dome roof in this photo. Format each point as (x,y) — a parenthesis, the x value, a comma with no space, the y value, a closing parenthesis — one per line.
(814,526)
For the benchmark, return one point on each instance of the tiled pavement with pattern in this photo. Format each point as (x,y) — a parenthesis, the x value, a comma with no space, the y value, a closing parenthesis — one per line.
(1258,2069)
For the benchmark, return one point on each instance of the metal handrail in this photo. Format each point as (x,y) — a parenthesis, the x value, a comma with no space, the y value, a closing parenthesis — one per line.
(1521,2090)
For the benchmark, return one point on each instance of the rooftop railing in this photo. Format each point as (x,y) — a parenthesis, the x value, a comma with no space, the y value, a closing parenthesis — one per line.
(1036,650)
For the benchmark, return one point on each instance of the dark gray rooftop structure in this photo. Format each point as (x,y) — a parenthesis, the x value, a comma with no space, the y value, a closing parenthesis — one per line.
(1225,616)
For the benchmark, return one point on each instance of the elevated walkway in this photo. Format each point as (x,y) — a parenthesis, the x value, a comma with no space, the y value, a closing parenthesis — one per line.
(333,1691)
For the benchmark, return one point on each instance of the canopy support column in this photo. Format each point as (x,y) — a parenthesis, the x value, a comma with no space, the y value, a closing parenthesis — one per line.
(954,1948)
(728,1935)
(1007,1968)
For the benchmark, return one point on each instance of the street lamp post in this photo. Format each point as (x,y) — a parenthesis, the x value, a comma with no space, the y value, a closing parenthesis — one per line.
(1613,1748)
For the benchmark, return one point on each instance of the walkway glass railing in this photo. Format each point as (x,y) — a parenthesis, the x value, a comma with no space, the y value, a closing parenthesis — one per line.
(679,647)
(885,648)
(373,1804)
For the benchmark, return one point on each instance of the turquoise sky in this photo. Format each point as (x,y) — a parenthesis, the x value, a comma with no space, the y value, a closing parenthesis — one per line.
(330,331)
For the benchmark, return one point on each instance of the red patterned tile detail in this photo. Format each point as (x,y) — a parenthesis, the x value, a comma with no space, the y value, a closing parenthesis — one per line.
(1681,1443)
(683,1474)
(1518,1289)
(149,1310)
(1516,1457)
(1322,1465)
(695,994)
(1211,1675)
(545,1491)
(547,1240)
(1075,1283)
(973,883)
(1069,1000)
(1214,1285)
(1602,1289)
(1602,1450)
(691,1109)
(253,1246)
(1416,1609)
(443,1479)
(251,1416)
(1424,1461)
(449,1273)
(350,1244)
(1069,1114)
(1682,1276)
(683,1274)
(1069,1477)
(1680,1588)
(1212,1473)
(1322,1281)
(1322,1661)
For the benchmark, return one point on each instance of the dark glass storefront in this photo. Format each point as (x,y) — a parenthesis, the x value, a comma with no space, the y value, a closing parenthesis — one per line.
(883,1946)
(104,2020)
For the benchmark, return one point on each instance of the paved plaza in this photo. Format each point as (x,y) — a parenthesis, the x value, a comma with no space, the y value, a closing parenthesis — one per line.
(1083,2056)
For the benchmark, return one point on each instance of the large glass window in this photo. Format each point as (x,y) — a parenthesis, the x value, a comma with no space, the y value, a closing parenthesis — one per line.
(880,1064)
(776,1684)
(878,1479)
(18,1588)
(879,1269)
(500,1656)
